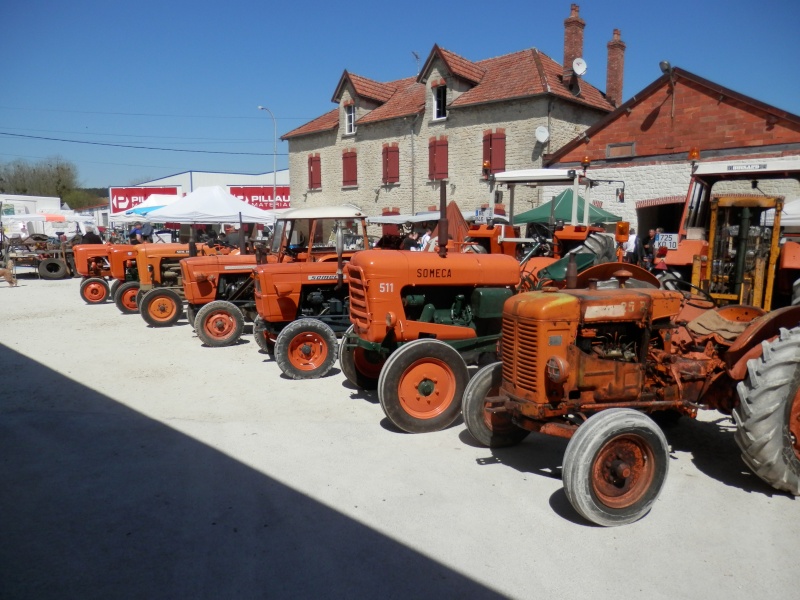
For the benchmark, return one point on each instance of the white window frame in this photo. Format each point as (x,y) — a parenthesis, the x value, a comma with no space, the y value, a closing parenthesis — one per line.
(350,119)
(437,108)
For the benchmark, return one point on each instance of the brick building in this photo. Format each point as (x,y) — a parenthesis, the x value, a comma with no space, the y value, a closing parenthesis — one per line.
(388,145)
(647,140)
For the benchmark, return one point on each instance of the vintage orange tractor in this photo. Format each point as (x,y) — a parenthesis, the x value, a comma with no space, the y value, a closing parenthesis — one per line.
(729,240)
(124,272)
(160,293)
(219,296)
(588,363)
(301,293)
(92,264)
(420,318)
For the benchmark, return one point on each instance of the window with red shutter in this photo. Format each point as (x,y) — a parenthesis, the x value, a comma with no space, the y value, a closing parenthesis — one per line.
(494,151)
(391,163)
(437,158)
(349,168)
(314,172)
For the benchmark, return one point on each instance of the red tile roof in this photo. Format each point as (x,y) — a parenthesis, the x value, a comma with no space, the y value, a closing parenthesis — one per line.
(328,121)
(367,88)
(518,75)
(408,100)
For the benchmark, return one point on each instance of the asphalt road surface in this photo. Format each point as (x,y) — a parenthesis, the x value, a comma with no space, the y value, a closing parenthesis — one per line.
(136,463)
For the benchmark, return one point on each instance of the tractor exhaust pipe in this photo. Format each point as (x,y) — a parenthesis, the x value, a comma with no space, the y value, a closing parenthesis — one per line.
(443,233)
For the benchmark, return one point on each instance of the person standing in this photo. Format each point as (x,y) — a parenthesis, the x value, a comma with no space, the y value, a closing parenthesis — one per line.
(633,248)
(135,234)
(90,237)
(410,241)
(649,248)
(426,237)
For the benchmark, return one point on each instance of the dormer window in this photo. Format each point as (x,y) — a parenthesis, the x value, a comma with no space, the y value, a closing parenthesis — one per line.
(440,102)
(350,119)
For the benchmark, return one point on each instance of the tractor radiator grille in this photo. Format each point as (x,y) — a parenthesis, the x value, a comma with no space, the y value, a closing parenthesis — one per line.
(359,311)
(520,347)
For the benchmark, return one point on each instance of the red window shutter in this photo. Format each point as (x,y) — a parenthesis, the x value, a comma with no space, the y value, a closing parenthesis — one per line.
(498,158)
(392,164)
(432,158)
(440,168)
(314,172)
(349,168)
(487,148)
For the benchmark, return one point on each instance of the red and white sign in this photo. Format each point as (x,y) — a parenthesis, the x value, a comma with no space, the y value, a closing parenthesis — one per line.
(126,198)
(260,196)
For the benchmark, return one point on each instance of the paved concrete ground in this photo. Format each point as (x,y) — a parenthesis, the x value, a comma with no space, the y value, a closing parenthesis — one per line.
(136,463)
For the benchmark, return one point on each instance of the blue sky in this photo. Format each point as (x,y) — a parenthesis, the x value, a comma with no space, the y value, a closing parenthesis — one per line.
(184,75)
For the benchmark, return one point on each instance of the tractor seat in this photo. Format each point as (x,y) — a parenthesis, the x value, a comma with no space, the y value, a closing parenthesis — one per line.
(726,323)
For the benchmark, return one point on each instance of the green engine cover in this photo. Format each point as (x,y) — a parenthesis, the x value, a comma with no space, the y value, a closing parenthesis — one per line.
(487,303)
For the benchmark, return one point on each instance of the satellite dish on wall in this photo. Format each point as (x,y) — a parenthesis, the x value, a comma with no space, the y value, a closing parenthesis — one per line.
(579,66)
(542,134)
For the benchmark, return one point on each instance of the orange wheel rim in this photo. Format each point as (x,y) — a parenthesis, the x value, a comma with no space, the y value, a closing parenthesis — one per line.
(623,471)
(162,309)
(129,299)
(365,365)
(95,292)
(427,388)
(307,351)
(219,324)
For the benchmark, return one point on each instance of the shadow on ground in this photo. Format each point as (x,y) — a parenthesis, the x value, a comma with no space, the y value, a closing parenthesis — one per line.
(99,501)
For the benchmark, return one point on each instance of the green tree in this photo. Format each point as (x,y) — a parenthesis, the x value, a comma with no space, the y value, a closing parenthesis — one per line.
(50,177)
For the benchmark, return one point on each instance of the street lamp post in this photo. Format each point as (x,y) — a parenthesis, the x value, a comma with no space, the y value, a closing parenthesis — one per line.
(274,158)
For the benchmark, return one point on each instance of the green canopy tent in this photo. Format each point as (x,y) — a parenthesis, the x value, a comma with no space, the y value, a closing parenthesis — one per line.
(561,207)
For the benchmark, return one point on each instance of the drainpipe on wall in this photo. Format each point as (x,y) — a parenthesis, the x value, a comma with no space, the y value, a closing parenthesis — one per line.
(413,166)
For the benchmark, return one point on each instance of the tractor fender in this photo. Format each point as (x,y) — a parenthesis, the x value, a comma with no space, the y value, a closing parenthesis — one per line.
(748,345)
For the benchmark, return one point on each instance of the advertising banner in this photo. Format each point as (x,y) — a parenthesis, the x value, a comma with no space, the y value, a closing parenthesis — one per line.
(260,196)
(126,198)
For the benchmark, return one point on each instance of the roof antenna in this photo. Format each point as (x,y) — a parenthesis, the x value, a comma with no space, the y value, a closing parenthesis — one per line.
(416,56)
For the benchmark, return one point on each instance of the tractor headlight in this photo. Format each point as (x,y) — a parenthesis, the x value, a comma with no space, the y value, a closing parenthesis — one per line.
(391,319)
(557,369)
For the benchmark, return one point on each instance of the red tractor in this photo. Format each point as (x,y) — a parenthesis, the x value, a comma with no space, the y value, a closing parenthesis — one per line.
(420,318)
(301,293)
(219,296)
(92,264)
(590,363)
(160,294)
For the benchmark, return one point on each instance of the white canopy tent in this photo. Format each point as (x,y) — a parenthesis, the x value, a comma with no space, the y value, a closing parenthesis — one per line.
(209,205)
(790,215)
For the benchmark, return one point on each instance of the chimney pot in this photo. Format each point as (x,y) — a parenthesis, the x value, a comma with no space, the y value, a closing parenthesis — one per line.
(615,69)
(573,41)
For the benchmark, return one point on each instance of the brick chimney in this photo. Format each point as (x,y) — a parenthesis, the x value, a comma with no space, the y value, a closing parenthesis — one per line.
(573,40)
(615,69)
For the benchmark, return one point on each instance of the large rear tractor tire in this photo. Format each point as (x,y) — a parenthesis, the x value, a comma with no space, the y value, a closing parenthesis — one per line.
(94,290)
(602,245)
(361,367)
(494,430)
(161,307)
(421,386)
(615,466)
(768,416)
(52,268)
(125,298)
(306,349)
(219,324)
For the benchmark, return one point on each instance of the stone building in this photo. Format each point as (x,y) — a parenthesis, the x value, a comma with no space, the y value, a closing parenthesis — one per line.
(387,146)
(646,142)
